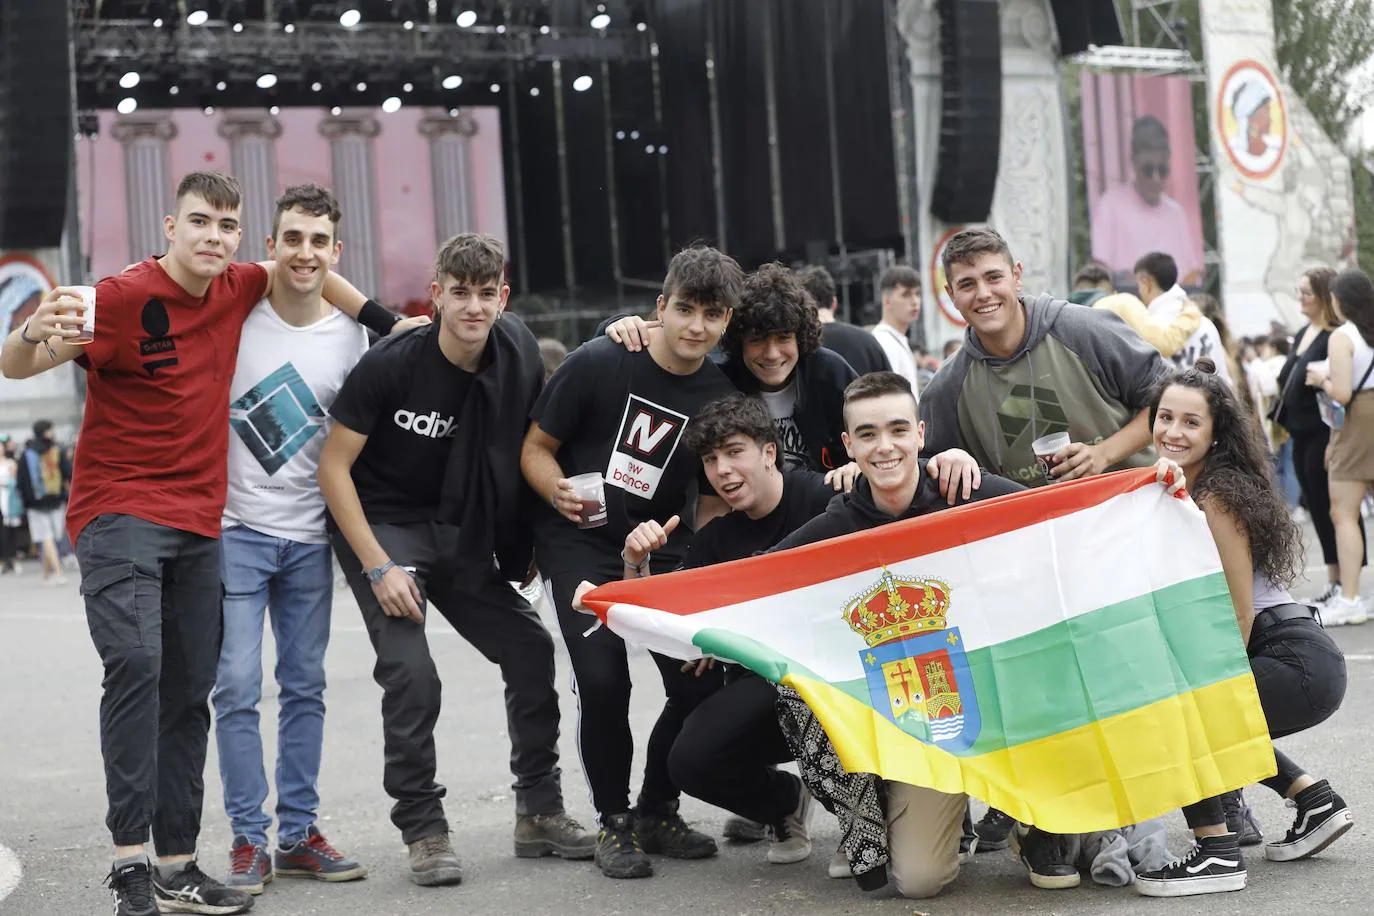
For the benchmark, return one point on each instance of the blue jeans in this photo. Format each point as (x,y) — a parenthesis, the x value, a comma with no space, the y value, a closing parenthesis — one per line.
(1288,478)
(297,582)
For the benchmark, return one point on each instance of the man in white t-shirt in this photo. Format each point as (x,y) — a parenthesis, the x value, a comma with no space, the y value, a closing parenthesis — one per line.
(900,286)
(1156,274)
(294,354)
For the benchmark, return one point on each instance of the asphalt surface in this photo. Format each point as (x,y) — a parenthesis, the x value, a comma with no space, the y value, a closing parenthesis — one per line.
(52,802)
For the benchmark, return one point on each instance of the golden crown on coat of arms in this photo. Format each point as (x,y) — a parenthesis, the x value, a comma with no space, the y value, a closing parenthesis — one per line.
(897,607)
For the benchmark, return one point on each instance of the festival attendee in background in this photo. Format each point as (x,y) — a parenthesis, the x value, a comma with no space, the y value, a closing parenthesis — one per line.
(1093,286)
(11,508)
(1156,275)
(44,478)
(553,353)
(1141,216)
(1202,430)
(1349,382)
(900,287)
(859,348)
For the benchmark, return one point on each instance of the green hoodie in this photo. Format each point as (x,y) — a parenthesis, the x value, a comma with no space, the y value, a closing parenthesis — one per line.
(1079,370)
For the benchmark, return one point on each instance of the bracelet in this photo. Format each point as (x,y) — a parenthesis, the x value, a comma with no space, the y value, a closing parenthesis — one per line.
(24,335)
(636,567)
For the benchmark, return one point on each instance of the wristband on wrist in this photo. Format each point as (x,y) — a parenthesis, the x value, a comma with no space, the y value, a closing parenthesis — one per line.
(377,318)
(637,567)
(376,575)
(24,334)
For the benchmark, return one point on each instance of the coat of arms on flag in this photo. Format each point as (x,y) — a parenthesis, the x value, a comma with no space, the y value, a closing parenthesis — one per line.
(916,668)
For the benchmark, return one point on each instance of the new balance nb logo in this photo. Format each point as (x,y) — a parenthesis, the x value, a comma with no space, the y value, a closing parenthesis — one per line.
(426,424)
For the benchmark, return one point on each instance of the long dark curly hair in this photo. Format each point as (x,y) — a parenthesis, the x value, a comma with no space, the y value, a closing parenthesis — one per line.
(774,301)
(1238,475)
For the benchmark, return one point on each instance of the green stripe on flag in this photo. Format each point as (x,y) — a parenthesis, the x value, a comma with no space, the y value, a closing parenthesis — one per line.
(1090,667)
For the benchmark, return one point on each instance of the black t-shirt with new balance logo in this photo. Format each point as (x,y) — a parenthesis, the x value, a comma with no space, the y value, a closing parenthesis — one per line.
(408,400)
(621,415)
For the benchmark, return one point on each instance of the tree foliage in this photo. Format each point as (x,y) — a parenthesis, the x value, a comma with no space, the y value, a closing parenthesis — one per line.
(1323,47)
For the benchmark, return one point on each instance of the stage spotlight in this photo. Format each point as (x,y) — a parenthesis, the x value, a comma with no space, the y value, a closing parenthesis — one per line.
(208,110)
(541,21)
(173,89)
(274,110)
(197,12)
(498,18)
(601,19)
(391,104)
(582,83)
(221,85)
(286,14)
(234,13)
(467,18)
(163,13)
(534,92)
(129,80)
(316,86)
(127,105)
(350,17)
(495,87)
(452,81)
(336,111)
(267,81)
(638,16)
(360,86)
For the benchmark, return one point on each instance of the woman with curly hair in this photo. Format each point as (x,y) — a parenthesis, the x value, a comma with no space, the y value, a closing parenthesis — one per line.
(1204,434)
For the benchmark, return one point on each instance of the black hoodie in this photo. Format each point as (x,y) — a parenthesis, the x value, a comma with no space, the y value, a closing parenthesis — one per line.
(856,511)
(819,409)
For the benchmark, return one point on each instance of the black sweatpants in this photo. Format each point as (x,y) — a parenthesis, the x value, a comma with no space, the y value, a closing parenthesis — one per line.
(728,751)
(1300,674)
(1309,455)
(601,680)
(488,613)
(154,604)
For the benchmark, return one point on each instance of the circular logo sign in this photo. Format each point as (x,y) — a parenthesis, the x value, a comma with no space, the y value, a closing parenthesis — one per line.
(1252,119)
(23,284)
(937,279)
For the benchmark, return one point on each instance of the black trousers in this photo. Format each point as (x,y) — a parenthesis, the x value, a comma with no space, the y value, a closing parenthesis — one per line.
(1309,453)
(601,680)
(1300,674)
(485,611)
(154,604)
(728,751)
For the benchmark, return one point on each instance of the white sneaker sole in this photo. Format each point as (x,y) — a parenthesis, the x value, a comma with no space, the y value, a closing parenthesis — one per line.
(784,856)
(1331,830)
(1188,887)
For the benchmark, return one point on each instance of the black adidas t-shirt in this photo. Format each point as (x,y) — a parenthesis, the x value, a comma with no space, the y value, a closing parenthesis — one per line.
(407,398)
(734,536)
(621,415)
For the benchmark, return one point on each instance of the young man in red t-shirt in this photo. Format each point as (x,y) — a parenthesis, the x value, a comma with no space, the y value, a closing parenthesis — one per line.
(147,493)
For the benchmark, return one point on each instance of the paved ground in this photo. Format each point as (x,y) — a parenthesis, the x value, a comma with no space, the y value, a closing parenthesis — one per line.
(52,803)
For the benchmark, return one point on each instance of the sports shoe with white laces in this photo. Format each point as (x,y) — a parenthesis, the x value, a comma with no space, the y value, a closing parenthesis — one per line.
(791,840)
(1214,865)
(1322,818)
(1341,611)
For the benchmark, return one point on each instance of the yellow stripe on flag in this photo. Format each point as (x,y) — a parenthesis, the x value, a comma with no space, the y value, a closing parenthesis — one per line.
(1165,757)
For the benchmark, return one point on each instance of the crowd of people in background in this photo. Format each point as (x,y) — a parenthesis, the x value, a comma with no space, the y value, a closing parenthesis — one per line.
(296,418)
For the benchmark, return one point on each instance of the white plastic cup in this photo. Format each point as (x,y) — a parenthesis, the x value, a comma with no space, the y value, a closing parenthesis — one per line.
(591,490)
(87,332)
(1046,447)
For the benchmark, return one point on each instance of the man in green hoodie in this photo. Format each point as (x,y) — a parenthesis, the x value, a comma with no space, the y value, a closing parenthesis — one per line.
(1032,366)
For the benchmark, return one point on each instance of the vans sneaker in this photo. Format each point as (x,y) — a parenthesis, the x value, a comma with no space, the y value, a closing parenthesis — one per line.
(1322,817)
(1240,820)
(1213,866)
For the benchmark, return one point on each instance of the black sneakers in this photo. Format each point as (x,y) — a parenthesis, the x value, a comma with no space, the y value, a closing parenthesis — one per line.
(191,890)
(1321,820)
(666,833)
(1213,866)
(993,830)
(1240,820)
(1046,857)
(131,887)
(618,853)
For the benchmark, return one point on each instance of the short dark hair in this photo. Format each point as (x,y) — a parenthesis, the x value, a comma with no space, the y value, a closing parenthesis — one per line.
(819,284)
(898,275)
(41,428)
(967,246)
(732,415)
(473,257)
(312,199)
(1148,134)
(772,303)
(704,276)
(876,385)
(1160,266)
(1093,273)
(217,189)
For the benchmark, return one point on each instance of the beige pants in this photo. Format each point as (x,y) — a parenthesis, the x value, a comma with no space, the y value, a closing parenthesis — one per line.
(923,832)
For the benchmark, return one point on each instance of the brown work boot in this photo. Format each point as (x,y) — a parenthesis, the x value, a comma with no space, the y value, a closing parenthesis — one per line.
(433,861)
(557,834)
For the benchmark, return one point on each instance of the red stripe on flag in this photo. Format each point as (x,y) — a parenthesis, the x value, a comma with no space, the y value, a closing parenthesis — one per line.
(696,590)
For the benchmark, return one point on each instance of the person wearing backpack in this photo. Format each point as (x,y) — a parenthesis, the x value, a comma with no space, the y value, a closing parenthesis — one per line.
(43,480)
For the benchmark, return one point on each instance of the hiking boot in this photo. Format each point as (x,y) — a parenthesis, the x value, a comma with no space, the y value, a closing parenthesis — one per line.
(1046,858)
(1213,866)
(742,830)
(839,866)
(250,867)
(792,836)
(131,888)
(433,862)
(538,835)
(1322,817)
(993,830)
(618,853)
(190,890)
(1240,820)
(313,857)
(667,834)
